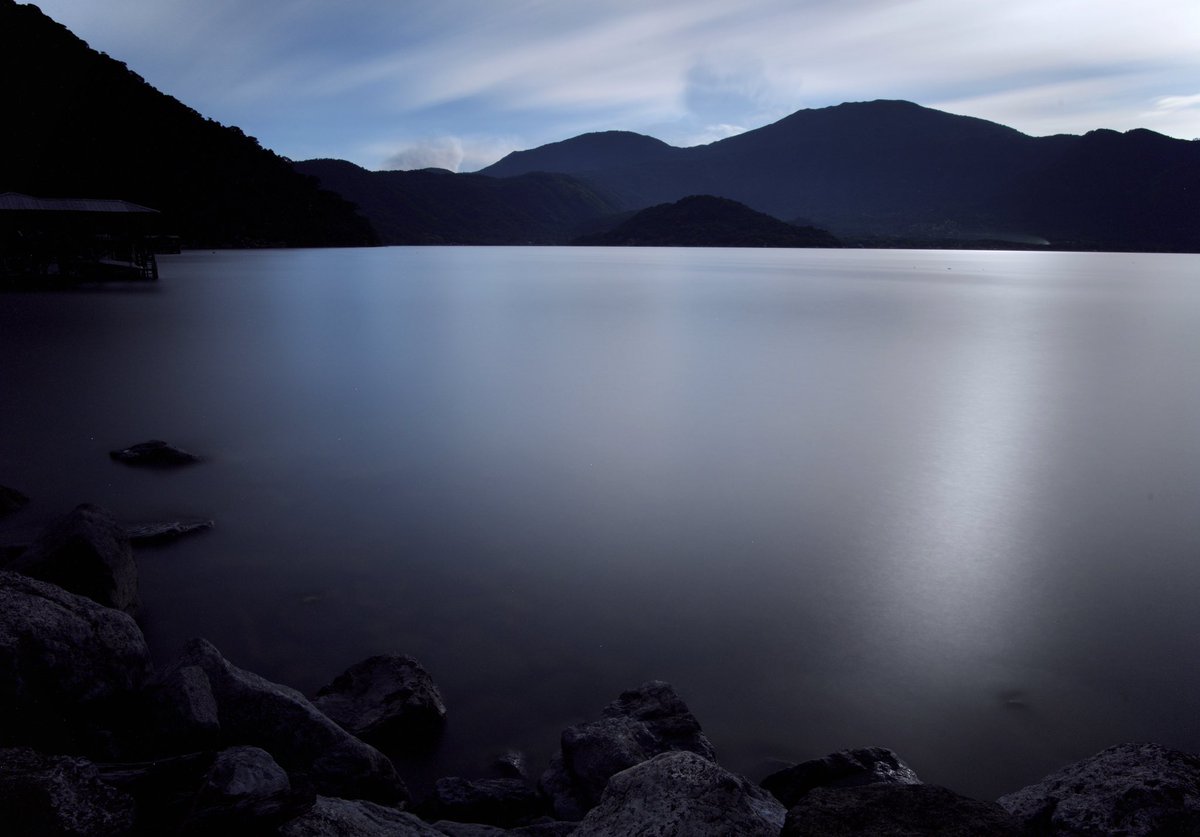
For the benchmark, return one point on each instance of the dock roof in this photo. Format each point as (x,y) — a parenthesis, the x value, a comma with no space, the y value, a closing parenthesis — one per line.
(16,202)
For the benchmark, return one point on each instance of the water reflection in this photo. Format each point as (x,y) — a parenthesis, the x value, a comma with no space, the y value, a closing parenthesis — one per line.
(942,502)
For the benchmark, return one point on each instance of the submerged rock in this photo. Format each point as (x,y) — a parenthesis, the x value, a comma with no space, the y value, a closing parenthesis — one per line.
(499,802)
(897,810)
(155,454)
(86,552)
(62,656)
(159,531)
(843,769)
(388,700)
(11,501)
(57,795)
(639,725)
(1130,789)
(253,710)
(544,828)
(345,818)
(682,793)
(512,764)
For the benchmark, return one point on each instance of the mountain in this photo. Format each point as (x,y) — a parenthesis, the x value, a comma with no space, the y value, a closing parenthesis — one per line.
(707,221)
(895,171)
(587,152)
(435,206)
(80,124)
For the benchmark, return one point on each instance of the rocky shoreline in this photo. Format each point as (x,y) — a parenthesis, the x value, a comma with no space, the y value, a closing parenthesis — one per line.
(94,740)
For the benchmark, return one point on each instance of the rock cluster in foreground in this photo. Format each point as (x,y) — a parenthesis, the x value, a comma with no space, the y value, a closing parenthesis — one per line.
(95,741)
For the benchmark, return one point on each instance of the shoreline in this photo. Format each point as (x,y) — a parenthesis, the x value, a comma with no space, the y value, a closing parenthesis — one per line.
(136,733)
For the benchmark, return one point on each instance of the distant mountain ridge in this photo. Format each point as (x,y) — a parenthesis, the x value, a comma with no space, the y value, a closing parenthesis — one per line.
(79,124)
(435,206)
(882,173)
(893,169)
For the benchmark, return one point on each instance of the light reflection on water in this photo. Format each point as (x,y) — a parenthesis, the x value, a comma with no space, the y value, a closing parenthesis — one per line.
(943,502)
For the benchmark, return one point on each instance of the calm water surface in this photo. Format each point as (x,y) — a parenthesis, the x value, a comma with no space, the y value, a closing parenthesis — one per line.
(945,502)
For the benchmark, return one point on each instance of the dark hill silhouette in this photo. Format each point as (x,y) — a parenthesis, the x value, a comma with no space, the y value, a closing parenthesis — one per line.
(707,221)
(891,170)
(435,206)
(80,124)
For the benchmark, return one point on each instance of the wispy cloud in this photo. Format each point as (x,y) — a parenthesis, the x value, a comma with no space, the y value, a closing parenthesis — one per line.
(357,74)
(445,152)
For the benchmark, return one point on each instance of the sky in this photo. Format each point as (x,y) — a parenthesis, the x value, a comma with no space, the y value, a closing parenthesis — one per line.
(458,84)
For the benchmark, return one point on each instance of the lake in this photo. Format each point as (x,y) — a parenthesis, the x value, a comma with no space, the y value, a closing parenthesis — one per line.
(943,502)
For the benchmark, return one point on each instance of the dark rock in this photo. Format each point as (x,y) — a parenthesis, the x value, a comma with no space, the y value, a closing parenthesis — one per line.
(499,802)
(512,764)
(160,531)
(682,793)
(469,829)
(184,711)
(57,795)
(154,454)
(388,700)
(640,724)
(10,552)
(890,810)
(164,789)
(253,710)
(11,501)
(545,828)
(344,818)
(1130,789)
(62,657)
(243,790)
(843,769)
(85,552)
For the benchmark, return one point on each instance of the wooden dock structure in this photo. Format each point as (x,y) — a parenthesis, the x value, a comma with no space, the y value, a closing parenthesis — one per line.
(76,239)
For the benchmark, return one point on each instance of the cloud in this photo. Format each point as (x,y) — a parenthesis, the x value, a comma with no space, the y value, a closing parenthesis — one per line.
(712,133)
(444,152)
(339,76)
(1172,103)
(438,153)
(725,89)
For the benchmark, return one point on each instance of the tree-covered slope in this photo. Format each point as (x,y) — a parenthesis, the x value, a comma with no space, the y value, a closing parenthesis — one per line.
(80,124)
(707,221)
(434,206)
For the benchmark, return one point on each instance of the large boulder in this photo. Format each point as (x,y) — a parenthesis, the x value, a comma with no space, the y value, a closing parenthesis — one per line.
(57,796)
(682,793)
(182,711)
(252,710)
(87,552)
(639,725)
(62,656)
(356,818)
(154,454)
(1130,789)
(388,700)
(891,810)
(843,769)
(245,789)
